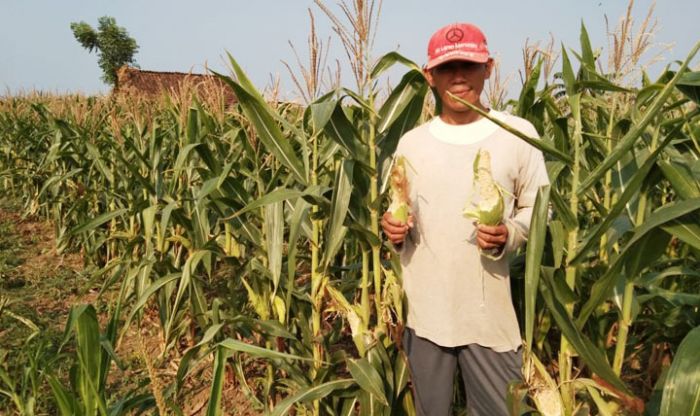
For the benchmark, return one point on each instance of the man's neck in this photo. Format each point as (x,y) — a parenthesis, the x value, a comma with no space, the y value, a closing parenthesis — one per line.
(460,118)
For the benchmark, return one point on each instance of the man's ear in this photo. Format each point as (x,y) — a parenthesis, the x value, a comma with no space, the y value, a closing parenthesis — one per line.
(428,74)
(489,67)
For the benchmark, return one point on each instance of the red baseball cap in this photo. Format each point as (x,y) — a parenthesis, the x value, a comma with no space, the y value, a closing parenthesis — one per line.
(457,42)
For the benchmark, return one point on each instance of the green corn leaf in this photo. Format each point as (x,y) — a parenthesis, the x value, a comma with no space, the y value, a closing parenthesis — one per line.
(689,84)
(556,229)
(681,177)
(97,221)
(57,179)
(540,144)
(667,213)
(320,112)
(213,164)
(350,407)
(407,120)
(529,90)
(364,104)
(89,351)
(243,79)
(412,84)
(685,229)
(590,354)
(568,73)
(563,211)
(646,252)
(97,158)
(533,259)
(628,141)
(602,85)
(681,395)
(401,374)
(217,385)
(192,127)
(388,60)
(191,264)
(339,208)
(261,116)
(271,328)
(279,194)
(587,57)
(378,356)
(604,285)
(142,402)
(673,297)
(64,399)
(631,189)
(309,394)
(135,174)
(274,235)
(146,295)
(235,345)
(183,157)
(343,132)
(368,378)
(300,214)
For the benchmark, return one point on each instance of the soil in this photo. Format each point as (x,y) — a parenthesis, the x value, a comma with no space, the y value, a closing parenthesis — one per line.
(39,285)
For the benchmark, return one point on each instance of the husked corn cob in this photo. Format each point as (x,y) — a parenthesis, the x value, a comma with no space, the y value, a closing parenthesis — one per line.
(400,206)
(487,205)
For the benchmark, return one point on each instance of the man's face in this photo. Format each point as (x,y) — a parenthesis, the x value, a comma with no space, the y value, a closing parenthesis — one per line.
(464,79)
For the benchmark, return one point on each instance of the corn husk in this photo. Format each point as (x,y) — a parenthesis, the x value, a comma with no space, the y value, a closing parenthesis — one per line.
(400,207)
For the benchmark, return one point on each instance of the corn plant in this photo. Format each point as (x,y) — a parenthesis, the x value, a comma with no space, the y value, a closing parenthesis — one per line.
(87,393)
(252,232)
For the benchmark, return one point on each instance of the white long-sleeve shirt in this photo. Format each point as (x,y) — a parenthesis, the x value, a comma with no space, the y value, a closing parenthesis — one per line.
(455,295)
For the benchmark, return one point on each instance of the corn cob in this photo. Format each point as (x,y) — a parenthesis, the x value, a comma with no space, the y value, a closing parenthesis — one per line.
(487,204)
(400,207)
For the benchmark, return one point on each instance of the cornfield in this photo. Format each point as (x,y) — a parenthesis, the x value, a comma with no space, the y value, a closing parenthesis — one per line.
(251,233)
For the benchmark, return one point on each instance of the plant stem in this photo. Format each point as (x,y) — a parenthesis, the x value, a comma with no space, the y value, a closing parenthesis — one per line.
(625,320)
(374,220)
(315,277)
(364,299)
(566,352)
(607,185)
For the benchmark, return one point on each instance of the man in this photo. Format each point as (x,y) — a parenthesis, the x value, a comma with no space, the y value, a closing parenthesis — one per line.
(459,304)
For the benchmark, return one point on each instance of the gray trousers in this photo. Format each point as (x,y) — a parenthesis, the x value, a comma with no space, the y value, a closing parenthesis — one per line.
(485,372)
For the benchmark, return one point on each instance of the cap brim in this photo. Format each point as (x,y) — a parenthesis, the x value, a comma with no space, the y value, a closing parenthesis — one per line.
(458,56)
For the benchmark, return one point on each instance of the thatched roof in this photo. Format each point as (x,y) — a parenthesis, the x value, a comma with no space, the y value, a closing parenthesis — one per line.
(152,83)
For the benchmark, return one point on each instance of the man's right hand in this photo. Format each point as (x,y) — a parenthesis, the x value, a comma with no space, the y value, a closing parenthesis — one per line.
(394,229)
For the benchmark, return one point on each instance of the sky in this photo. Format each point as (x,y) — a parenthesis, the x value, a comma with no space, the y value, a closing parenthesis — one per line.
(38,50)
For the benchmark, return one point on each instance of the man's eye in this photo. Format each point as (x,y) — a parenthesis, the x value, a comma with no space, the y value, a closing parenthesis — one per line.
(455,66)
(449,67)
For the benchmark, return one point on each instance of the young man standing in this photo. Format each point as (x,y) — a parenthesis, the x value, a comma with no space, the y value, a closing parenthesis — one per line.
(459,304)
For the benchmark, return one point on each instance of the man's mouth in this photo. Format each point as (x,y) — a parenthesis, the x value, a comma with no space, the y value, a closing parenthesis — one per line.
(461,91)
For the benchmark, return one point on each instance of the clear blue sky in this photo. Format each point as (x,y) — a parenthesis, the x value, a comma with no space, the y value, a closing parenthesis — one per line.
(39,52)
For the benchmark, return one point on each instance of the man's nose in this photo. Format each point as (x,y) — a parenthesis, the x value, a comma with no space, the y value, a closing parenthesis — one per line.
(460,73)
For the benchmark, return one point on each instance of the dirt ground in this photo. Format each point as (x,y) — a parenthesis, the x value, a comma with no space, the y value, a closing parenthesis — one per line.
(40,286)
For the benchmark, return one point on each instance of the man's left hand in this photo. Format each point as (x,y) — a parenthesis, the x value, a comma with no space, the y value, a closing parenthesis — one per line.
(491,236)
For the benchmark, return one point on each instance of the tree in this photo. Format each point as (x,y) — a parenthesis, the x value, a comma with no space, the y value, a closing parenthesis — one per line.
(113,44)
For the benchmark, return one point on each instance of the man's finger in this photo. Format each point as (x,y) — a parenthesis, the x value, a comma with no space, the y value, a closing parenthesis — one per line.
(499,239)
(493,229)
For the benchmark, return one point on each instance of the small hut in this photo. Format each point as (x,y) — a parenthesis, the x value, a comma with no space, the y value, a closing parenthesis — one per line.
(153,84)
